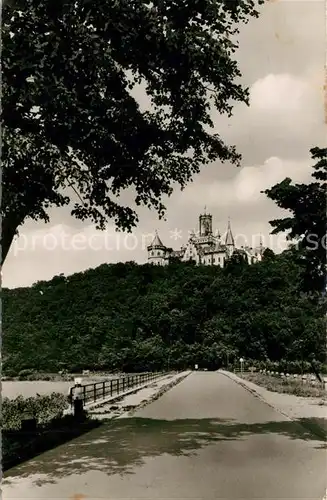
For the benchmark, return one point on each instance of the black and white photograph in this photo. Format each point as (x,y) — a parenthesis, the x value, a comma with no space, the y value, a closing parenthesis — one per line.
(163,249)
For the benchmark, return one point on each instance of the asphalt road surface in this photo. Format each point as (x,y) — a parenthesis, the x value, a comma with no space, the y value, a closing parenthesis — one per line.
(207,438)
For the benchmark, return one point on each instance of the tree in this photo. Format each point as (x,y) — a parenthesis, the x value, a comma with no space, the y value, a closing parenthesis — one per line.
(183,316)
(236,262)
(307,224)
(268,254)
(72,130)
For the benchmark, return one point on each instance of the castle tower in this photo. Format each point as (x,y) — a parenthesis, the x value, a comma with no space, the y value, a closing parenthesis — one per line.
(157,252)
(229,240)
(205,224)
(261,249)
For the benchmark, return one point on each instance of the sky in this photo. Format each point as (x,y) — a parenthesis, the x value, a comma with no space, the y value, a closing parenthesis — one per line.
(282,58)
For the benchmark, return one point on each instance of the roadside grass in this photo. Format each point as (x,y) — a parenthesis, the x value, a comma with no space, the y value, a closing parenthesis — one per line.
(285,385)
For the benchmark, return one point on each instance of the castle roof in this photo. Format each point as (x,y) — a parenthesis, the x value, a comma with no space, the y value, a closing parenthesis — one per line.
(229,236)
(157,242)
(218,248)
(178,253)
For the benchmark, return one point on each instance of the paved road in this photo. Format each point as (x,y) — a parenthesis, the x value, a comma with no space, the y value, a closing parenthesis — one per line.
(207,438)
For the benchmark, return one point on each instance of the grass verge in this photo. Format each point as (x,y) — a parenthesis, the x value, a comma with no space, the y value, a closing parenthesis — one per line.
(285,386)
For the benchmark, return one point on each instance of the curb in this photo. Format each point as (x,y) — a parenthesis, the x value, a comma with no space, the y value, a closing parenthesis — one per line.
(129,412)
(115,397)
(163,390)
(240,382)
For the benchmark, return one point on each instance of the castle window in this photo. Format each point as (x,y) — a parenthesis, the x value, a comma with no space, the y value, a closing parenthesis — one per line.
(152,253)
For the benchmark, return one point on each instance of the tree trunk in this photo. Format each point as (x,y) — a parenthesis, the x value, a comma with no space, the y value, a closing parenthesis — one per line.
(315,371)
(8,229)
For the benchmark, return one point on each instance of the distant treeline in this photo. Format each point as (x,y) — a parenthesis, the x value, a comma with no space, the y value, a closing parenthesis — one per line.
(129,317)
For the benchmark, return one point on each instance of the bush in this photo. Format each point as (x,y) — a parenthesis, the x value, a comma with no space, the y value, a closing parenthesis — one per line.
(43,408)
(323,368)
(26,374)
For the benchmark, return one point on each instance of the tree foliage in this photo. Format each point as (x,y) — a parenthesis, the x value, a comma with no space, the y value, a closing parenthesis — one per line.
(185,315)
(70,118)
(306,223)
(42,408)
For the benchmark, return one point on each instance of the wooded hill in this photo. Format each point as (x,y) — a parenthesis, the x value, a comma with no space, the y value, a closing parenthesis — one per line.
(133,317)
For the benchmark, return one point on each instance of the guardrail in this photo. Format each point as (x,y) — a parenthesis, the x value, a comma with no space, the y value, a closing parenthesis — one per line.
(100,390)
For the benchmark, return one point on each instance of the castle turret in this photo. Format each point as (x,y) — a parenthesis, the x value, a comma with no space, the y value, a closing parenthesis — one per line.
(205,224)
(261,250)
(229,240)
(157,252)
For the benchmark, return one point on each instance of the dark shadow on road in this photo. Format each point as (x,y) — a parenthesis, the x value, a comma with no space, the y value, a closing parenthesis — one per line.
(119,446)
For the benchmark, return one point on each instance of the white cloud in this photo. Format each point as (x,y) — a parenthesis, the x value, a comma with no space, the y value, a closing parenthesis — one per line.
(42,251)
(40,254)
(278,93)
(274,135)
(246,185)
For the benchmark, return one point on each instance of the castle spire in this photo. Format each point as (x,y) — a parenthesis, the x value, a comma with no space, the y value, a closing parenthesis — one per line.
(229,235)
(156,241)
(261,245)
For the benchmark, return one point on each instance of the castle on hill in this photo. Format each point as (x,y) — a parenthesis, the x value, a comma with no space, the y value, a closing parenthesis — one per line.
(204,248)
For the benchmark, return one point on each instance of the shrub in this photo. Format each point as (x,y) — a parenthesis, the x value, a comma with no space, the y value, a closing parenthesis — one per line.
(323,369)
(43,408)
(25,374)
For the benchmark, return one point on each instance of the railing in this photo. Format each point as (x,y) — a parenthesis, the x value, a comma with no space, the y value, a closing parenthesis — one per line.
(107,388)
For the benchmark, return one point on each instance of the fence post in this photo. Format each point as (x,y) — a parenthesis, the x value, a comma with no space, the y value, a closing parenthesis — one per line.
(110,387)
(78,409)
(95,392)
(104,390)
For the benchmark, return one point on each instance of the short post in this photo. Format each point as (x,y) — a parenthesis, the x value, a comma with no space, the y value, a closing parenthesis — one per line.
(78,395)
(28,423)
(241,362)
(78,409)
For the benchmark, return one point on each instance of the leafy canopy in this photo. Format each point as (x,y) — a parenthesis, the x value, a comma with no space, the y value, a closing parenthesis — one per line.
(70,119)
(307,222)
(163,317)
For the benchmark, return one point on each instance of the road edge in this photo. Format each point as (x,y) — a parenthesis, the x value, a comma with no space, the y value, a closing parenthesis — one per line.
(155,396)
(242,383)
